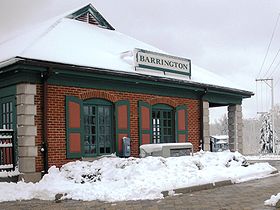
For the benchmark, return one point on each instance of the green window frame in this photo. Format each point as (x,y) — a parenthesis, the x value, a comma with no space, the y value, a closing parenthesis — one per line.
(98,128)
(7,113)
(163,121)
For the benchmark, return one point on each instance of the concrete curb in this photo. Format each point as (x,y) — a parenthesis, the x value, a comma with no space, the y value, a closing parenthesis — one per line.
(199,187)
(274,172)
(205,186)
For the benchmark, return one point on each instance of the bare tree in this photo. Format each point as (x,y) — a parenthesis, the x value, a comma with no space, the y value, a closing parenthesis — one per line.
(220,127)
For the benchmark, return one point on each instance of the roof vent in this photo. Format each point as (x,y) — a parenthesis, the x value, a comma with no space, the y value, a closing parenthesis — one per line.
(88,18)
(90,15)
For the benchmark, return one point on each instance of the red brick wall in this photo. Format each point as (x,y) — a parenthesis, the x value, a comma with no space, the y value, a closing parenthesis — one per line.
(56,118)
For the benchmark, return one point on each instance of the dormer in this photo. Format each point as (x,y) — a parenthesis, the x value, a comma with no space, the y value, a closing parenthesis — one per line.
(91,16)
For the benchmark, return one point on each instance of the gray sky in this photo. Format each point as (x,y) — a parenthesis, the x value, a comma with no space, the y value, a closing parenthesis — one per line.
(227,37)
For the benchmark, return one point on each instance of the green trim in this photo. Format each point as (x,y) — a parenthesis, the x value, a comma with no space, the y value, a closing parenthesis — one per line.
(8,91)
(19,77)
(177,132)
(141,131)
(77,76)
(162,106)
(74,130)
(222,99)
(163,69)
(97,101)
(132,87)
(118,131)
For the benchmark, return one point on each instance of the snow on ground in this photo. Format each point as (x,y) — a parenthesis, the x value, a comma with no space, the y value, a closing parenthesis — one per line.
(9,173)
(118,179)
(273,200)
(263,157)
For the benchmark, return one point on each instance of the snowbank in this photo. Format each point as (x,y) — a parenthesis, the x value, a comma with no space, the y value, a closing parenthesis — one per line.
(9,173)
(273,200)
(118,179)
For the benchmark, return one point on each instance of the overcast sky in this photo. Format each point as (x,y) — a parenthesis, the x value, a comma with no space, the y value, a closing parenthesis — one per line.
(227,37)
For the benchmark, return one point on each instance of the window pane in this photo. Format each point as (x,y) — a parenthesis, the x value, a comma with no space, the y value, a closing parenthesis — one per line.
(107,130)
(4,119)
(93,139)
(86,150)
(93,120)
(101,130)
(101,140)
(86,110)
(7,107)
(169,123)
(169,114)
(86,140)
(92,149)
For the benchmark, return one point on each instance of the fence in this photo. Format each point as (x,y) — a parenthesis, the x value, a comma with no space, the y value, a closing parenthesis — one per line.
(7,159)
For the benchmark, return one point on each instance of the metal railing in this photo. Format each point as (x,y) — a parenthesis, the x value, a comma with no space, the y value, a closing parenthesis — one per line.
(7,158)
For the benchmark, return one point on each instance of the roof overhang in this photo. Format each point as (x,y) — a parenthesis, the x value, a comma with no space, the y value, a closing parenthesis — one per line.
(214,94)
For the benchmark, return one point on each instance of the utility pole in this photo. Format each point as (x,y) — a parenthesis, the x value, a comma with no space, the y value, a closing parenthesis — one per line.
(266,81)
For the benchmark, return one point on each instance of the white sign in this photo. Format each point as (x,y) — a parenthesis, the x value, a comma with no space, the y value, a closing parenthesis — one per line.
(144,59)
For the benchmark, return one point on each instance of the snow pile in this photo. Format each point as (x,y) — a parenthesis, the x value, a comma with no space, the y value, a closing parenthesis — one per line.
(118,179)
(9,173)
(273,200)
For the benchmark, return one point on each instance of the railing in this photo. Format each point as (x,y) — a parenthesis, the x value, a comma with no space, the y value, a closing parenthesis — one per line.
(7,159)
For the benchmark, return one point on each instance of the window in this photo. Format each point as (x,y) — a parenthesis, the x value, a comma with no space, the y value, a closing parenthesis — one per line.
(91,128)
(98,127)
(162,124)
(6,111)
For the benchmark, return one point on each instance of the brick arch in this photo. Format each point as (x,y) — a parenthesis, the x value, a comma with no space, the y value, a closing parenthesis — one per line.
(98,94)
(162,100)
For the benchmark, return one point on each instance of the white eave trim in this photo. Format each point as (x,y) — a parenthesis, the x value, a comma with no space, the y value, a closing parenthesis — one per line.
(9,62)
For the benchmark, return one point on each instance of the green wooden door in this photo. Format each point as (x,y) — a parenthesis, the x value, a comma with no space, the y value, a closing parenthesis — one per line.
(163,124)
(98,127)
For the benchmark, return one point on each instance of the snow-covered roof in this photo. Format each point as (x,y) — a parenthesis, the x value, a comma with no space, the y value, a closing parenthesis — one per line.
(69,41)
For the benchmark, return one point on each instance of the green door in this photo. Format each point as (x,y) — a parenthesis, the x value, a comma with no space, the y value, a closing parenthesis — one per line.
(163,125)
(98,137)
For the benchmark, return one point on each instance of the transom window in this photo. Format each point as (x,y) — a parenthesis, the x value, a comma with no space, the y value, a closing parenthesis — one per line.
(163,124)
(98,126)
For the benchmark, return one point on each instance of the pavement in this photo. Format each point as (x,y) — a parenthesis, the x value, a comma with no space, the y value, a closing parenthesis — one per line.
(247,196)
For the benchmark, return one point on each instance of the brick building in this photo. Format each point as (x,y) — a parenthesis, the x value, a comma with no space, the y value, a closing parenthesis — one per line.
(73,87)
